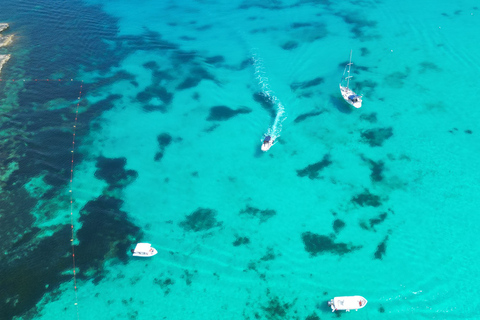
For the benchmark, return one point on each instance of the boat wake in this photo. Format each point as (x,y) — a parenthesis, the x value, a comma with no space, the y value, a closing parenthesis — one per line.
(276,128)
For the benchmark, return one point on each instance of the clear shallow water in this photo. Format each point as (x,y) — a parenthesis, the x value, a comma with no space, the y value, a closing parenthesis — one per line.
(379,201)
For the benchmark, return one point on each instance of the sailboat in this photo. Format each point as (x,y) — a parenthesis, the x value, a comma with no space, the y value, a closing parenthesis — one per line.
(351,97)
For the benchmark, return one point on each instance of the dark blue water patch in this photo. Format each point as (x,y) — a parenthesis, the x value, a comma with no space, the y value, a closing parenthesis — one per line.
(106,233)
(25,239)
(307,115)
(366,87)
(188,276)
(263,30)
(381,249)
(47,152)
(154,108)
(148,40)
(378,220)
(155,91)
(112,171)
(215,60)
(270,5)
(211,128)
(245,63)
(152,65)
(164,140)
(312,316)
(377,168)
(37,93)
(181,58)
(239,241)
(361,27)
(16,219)
(187,38)
(60,38)
(266,102)
(313,33)
(289,45)
(312,171)
(370,117)
(41,269)
(42,144)
(325,3)
(117,76)
(276,309)
(262,215)
(397,79)
(297,25)
(376,137)
(370,225)
(338,225)
(93,111)
(426,66)
(222,113)
(367,199)
(204,27)
(196,75)
(305,94)
(316,244)
(201,219)
(164,284)
(269,255)
(306,84)
(364,51)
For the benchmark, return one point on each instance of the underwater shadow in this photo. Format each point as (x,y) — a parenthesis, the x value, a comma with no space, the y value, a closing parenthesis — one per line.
(323,306)
(340,105)
(258,151)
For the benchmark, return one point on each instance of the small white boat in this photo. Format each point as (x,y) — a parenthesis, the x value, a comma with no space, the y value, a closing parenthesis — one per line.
(144,250)
(267,143)
(348,95)
(347,303)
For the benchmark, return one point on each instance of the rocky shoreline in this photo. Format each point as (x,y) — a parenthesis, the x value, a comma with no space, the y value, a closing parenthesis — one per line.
(4,41)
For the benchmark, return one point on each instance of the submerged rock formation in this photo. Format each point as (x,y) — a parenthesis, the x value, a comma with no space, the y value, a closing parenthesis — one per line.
(3,26)
(3,42)
(3,58)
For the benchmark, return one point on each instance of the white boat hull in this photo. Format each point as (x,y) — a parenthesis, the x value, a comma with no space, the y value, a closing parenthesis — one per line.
(267,146)
(346,93)
(144,250)
(347,303)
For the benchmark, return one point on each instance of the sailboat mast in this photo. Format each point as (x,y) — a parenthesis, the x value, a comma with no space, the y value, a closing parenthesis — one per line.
(349,65)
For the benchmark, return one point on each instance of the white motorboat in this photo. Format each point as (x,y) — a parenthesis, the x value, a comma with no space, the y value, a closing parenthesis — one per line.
(144,250)
(347,303)
(267,143)
(348,95)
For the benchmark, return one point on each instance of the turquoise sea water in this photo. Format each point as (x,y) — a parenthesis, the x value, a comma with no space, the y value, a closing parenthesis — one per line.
(176,96)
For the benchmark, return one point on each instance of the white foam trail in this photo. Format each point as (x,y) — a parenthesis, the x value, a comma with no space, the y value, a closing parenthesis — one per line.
(276,128)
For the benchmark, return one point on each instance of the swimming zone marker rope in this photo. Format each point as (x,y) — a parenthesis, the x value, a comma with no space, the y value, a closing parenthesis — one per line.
(72,238)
